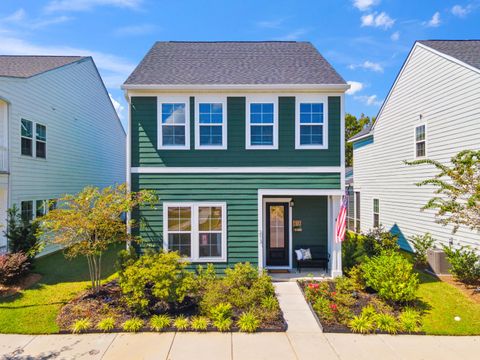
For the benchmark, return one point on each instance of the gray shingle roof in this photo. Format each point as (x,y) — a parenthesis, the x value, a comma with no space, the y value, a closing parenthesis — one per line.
(362,132)
(25,66)
(467,51)
(219,63)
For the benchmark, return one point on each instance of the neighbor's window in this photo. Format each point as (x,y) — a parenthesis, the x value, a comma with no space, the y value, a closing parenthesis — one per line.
(310,126)
(180,229)
(420,141)
(376,213)
(174,131)
(261,126)
(27,137)
(26,208)
(357,211)
(196,230)
(211,127)
(41,208)
(41,141)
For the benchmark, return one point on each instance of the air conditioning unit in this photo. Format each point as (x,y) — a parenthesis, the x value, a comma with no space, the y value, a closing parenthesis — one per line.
(438,261)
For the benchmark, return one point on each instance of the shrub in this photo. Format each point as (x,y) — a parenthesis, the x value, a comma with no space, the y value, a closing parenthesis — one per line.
(81,325)
(387,323)
(378,240)
(465,264)
(353,251)
(160,322)
(248,322)
(125,258)
(421,244)
(200,323)
(13,267)
(269,309)
(410,320)
(391,276)
(361,324)
(356,276)
(223,324)
(369,312)
(133,325)
(345,285)
(156,278)
(323,308)
(221,316)
(181,323)
(21,234)
(107,324)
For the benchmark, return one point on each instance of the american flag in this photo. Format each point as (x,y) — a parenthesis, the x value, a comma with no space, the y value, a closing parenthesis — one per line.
(341,226)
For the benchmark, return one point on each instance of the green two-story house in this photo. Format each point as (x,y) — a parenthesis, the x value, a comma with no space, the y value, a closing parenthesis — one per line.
(244,144)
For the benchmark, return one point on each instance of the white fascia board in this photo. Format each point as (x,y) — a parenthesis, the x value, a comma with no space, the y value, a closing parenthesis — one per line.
(319,87)
(360,137)
(236,170)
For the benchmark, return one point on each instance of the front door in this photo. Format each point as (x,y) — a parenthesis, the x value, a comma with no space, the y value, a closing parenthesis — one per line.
(277,239)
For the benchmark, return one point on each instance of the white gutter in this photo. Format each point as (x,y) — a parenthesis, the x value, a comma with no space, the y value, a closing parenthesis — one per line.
(339,87)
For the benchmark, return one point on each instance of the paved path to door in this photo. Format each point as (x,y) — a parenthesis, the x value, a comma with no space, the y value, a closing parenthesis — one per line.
(303,340)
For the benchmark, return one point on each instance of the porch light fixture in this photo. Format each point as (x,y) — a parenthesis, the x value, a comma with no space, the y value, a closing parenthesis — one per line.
(292,203)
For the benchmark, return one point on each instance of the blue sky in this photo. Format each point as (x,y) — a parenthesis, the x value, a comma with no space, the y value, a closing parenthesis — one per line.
(365,40)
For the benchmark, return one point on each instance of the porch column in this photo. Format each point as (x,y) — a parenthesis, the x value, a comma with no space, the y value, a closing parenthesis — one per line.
(334,248)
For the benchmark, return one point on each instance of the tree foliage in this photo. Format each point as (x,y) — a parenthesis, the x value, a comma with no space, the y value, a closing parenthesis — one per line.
(21,233)
(457,200)
(353,125)
(86,224)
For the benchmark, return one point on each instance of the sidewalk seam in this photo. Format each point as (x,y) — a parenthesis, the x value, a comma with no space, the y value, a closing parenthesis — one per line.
(108,347)
(291,345)
(171,345)
(333,347)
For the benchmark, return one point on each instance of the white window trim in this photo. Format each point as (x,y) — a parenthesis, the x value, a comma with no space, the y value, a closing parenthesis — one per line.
(376,213)
(415,141)
(261,100)
(195,243)
(176,100)
(311,99)
(208,100)
(41,141)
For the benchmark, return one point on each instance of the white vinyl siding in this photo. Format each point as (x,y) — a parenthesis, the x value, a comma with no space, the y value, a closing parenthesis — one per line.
(447,96)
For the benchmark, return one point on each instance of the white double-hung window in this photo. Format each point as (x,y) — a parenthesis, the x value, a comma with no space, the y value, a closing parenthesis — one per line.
(173,123)
(420,141)
(311,123)
(262,124)
(211,123)
(197,230)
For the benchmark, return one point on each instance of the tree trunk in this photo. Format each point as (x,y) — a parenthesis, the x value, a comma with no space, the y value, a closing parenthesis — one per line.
(94,267)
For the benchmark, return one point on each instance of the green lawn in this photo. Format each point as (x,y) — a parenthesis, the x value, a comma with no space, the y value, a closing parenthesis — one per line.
(33,311)
(446,302)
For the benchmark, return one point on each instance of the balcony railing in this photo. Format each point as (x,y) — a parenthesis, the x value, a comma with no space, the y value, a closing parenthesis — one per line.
(3,158)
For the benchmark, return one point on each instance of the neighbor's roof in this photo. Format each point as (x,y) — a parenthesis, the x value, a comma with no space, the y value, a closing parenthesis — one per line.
(24,66)
(233,63)
(467,51)
(365,131)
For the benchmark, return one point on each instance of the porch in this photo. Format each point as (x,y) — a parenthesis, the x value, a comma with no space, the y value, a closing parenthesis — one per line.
(294,219)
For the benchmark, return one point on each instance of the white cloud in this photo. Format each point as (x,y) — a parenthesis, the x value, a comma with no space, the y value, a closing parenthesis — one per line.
(368,65)
(363,5)
(434,21)
(114,68)
(395,36)
(17,16)
(294,35)
(271,24)
(141,29)
(382,20)
(119,108)
(370,100)
(355,87)
(461,11)
(85,5)
(20,19)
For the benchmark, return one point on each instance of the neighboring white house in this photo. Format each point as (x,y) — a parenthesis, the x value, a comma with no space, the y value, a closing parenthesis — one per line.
(58,132)
(432,111)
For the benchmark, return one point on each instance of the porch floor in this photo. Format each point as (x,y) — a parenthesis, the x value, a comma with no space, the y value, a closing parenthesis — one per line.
(306,274)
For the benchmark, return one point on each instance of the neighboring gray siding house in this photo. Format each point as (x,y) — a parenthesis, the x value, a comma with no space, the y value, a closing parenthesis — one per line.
(432,111)
(59,132)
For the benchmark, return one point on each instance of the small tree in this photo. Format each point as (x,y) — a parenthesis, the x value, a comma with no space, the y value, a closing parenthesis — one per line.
(87,223)
(21,233)
(458,190)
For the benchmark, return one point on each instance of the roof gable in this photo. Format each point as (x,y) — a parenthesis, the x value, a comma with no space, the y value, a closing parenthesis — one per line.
(233,63)
(25,66)
(467,51)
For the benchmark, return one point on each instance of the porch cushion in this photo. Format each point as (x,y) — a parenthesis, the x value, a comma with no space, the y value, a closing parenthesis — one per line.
(299,254)
(306,254)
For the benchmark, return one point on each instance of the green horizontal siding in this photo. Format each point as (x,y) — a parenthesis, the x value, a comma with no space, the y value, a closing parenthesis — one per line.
(144,139)
(239,191)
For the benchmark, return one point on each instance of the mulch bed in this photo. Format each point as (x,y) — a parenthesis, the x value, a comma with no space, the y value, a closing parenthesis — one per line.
(363,299)
(24,283)
(108,302)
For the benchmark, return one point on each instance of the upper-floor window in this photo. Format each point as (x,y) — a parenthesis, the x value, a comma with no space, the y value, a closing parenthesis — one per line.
(376,213)
(420,141)
(262,126)
(27,139)
(174,124)
(196,230)
(311,124)
(210,124)
(41,141)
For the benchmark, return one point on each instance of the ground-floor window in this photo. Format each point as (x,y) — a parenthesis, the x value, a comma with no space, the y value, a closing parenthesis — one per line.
(376,213)
(353,211)
(28,212)
(197,230)
(357,211)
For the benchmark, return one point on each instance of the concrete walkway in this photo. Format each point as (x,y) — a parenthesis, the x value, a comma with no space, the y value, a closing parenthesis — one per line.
(303,340)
